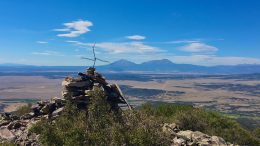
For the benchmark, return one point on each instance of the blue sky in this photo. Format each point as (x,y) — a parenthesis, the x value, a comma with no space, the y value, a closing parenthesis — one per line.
(59,32)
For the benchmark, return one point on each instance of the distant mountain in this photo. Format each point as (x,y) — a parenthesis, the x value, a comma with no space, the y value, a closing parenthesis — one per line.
(13,64)
(123,63)
(166,65)
(120,65)
(155,66)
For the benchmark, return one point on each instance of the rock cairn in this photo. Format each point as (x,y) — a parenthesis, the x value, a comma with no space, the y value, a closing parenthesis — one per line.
(77,90)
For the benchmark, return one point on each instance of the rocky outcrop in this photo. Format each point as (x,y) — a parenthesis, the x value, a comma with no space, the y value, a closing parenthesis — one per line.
(75,90)
(192,138)
(16,129)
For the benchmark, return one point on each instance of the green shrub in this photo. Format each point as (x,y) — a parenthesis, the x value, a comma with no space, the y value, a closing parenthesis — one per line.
(23,110)
(7,144)
(257,133)
(98,125)
(196,119)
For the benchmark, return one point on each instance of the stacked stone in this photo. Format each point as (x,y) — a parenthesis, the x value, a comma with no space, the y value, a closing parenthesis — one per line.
(78,89)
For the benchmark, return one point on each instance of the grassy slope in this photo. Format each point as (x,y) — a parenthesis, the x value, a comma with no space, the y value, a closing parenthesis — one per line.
(97,126)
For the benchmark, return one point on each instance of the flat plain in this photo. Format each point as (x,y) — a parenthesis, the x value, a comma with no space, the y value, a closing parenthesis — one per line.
(229,94)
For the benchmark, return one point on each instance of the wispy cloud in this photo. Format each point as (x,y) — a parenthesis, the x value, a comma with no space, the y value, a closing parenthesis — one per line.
(136,37)
(75,28)
(211,60)
(127,47)
(138,51)
(121,47)
(182,41)
(48,53)
(200,48)
(42,42)
(187,41)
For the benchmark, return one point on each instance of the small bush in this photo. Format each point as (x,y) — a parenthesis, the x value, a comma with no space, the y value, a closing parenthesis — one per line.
(257,133)
(98,125)
(23,110)
(7,144)
(212,123)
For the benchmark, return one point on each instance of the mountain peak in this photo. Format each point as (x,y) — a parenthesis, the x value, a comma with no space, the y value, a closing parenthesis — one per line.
(13,64)
(123,62)
(159,62)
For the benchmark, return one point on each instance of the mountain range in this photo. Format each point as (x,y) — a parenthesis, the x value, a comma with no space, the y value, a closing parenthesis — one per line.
(166,66)
(155,66)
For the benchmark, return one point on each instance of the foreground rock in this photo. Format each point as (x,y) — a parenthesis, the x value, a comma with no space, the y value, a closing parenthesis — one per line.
(192,138)
(76,90)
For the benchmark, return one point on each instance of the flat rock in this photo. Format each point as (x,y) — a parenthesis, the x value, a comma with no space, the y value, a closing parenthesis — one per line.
(57,112)
(186,134)
(7,134)
(217,140)
(76,84)
(198,136)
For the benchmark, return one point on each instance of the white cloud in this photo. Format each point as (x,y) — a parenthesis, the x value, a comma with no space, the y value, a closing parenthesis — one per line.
(120,47)
(136,37)
(48,53)
(199,48)
(41,42)
(182,41)
(201,54)
(127,47)
(211,60)
(75,28)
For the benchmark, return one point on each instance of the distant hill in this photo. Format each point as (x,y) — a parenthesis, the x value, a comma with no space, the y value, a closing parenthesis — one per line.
(13,64)
(155,66)
(166,65)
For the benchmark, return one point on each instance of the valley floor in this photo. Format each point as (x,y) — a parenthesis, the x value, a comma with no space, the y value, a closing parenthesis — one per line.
(231,95)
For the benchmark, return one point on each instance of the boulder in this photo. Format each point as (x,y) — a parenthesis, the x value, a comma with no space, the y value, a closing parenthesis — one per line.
(14,125)
(178,141)
(57,112)
(81,84)
(7,134)
(170,127)
(215,140)
(187,135)
(28,116)
(192,138)
(198,136)
(4,123)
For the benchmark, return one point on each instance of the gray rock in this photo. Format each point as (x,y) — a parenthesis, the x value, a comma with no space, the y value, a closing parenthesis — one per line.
(57,112)
(76,84)
(178,141)
(28,116)
(14,125)
(198,136)
(217,140)
(4,123)
(185,134)
(7,134)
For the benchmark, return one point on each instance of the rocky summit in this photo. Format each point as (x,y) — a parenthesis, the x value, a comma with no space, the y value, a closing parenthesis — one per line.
(75,89)
(78,90)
